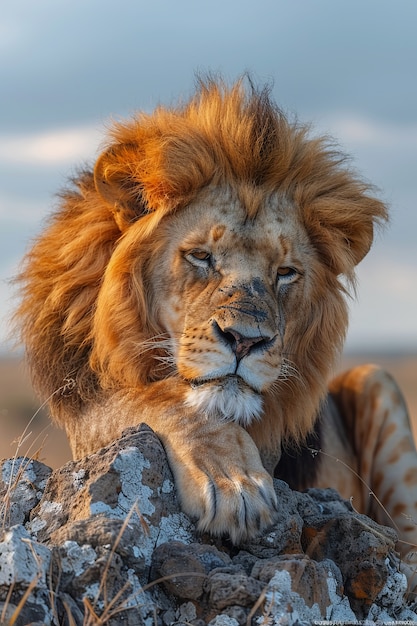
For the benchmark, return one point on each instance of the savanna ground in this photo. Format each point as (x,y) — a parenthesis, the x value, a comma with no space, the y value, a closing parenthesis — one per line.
(42,440)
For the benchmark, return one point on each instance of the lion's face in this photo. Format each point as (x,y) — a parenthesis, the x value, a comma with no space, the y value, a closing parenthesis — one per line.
(204,253)
(232,294)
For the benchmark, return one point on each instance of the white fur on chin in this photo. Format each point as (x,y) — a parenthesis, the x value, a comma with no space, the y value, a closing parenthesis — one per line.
(226,399)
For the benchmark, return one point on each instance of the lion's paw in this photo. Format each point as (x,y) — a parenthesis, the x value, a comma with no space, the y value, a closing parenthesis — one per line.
(239,506)
(226,488)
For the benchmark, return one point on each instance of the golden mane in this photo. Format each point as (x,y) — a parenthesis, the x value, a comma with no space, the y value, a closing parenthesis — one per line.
(89,258)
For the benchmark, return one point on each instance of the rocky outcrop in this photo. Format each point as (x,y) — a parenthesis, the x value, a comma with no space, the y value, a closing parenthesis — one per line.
(104,541)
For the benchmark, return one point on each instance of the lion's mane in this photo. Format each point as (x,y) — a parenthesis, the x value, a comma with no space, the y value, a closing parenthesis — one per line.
(88,298)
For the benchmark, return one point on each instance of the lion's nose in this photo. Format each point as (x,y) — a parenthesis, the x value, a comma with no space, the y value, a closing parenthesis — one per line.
(240,344)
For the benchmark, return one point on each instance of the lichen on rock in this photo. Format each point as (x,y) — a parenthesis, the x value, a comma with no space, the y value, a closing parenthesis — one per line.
(107,535)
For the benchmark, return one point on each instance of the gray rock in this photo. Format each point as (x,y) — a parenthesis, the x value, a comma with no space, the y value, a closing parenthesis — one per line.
(184,568)
(129,480)
(22,482)
(223,620)
(226,589)
(22,559)
(24,565)
(108,536)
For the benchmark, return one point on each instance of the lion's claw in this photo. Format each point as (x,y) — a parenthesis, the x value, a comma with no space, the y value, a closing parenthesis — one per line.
(240,508)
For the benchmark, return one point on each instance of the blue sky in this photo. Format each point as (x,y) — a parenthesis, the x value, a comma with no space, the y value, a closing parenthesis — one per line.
(347,66)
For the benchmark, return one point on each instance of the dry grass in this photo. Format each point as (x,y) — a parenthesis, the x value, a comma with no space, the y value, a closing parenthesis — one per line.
(18,404)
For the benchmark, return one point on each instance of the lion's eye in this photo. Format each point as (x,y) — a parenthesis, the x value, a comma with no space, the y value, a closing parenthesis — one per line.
(200,255)
(286,274)
(201,258)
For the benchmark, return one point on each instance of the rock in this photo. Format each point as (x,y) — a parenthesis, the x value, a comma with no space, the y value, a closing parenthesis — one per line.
(223,620)
(285,604)
(24,564)
(365,571)
(225,589)
(106,534)
(22,482)
(21,559)
(129,480)
(184,568)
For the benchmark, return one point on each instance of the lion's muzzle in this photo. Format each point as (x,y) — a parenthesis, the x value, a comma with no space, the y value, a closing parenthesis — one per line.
(242,342)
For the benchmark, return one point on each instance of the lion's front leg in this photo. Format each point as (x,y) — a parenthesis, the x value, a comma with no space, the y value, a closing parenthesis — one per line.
(221,479)
(218,471)
(216,465)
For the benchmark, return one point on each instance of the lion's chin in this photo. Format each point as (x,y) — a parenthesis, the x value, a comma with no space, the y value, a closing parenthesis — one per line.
(229,398)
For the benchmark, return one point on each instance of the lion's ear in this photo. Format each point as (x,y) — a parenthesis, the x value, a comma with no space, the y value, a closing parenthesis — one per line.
(116,184)
(343,229)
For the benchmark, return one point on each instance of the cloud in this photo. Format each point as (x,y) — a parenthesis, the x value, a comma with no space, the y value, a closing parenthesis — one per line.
(62,146)
(360,130)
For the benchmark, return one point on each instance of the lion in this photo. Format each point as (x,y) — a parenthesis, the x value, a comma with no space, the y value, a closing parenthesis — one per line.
(197,280)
